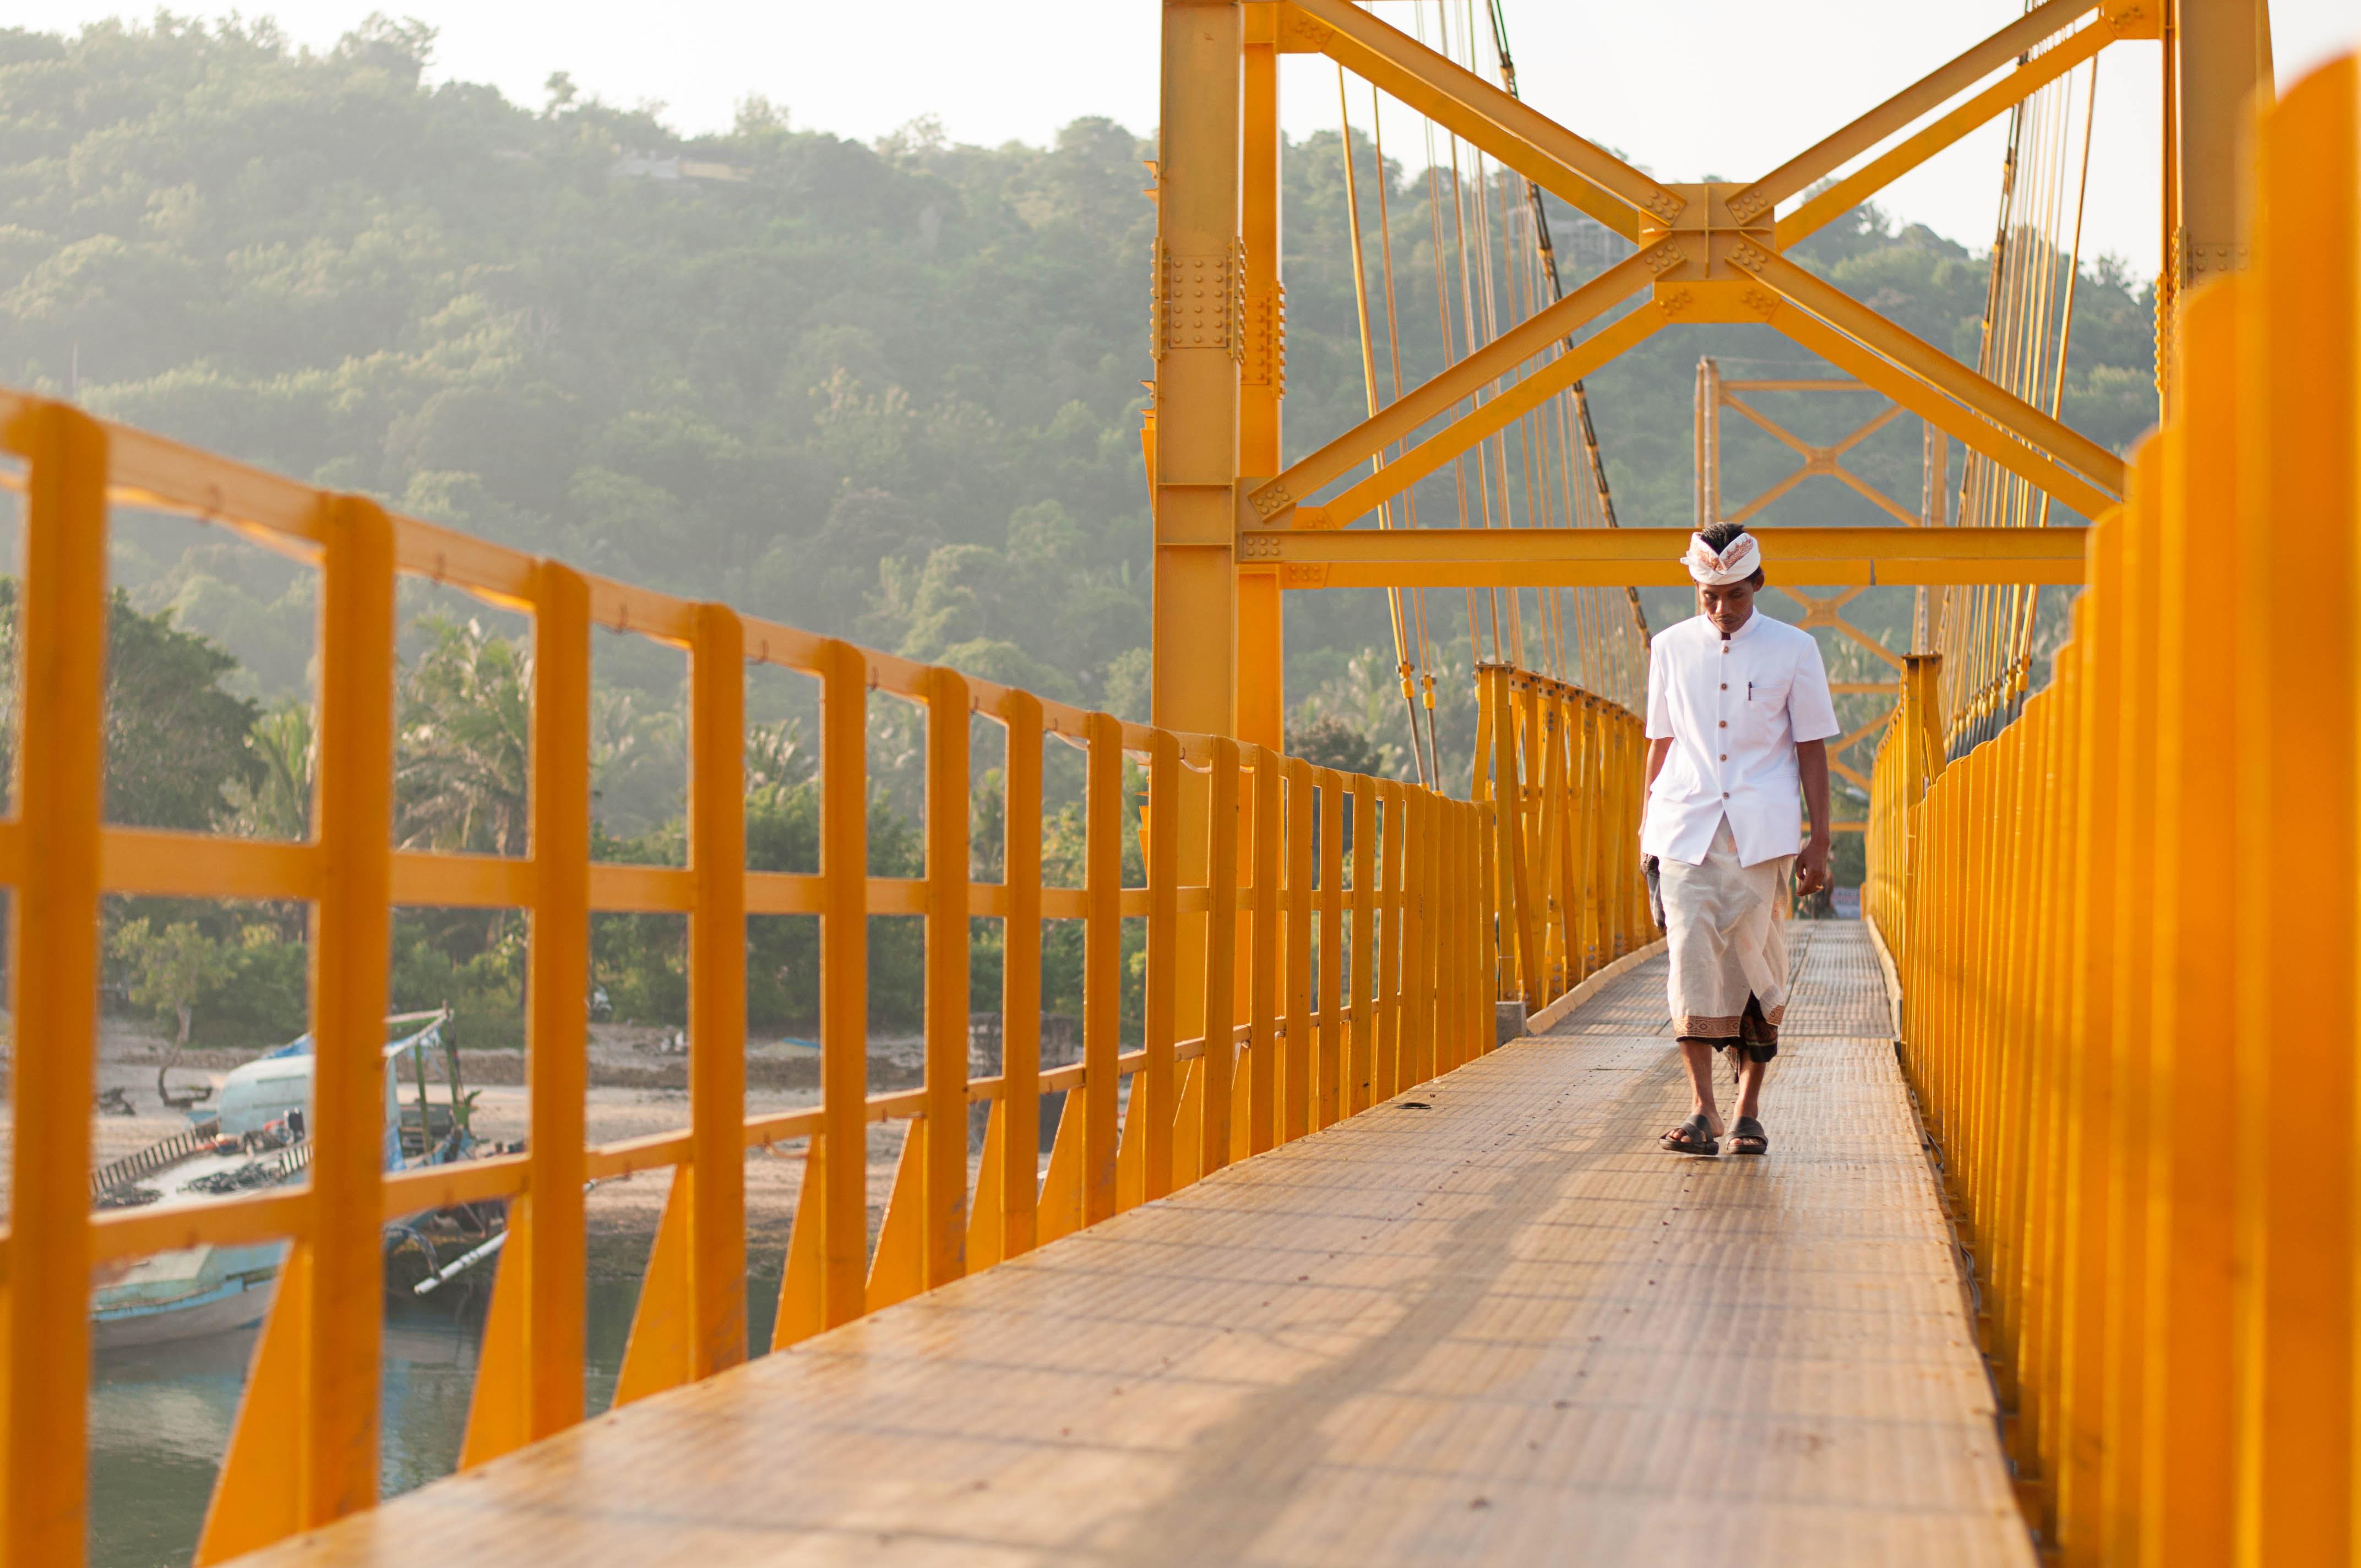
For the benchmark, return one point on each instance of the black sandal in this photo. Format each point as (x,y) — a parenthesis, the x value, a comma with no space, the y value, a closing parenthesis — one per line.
(1747,1130)
(1691,1136)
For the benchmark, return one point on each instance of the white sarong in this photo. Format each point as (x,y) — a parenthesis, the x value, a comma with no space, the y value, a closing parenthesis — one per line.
(1727,981)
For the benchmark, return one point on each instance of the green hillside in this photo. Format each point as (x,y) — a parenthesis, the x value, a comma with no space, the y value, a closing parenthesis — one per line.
(887,390)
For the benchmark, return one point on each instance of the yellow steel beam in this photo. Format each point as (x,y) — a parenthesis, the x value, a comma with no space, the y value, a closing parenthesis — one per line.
(1495,414)
(1466,379)
(1650,557)
(1584,173)
(1931,365)
(1933,405)
(1929,92)
(1878,173)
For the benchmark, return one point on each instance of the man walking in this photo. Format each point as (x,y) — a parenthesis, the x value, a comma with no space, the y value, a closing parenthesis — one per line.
(1739,717)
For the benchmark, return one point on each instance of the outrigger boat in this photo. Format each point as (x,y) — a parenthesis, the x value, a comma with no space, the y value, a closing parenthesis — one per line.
(256,1136)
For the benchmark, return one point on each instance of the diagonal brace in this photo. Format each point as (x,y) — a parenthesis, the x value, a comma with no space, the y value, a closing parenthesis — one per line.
(1496,414)
(2033,467)
(1876,175)
(1466,379)
(1931,365)
(1583,172)
(1937,87)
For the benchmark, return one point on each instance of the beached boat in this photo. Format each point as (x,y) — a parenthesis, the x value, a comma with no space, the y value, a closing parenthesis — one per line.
(254,1136)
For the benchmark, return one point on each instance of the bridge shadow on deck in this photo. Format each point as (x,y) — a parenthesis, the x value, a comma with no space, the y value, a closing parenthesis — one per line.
(1503,1328)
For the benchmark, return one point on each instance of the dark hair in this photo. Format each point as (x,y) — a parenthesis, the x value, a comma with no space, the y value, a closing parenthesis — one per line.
(1720,536)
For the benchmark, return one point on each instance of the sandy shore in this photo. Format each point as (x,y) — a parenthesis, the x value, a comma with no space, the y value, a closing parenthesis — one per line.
(622,1214)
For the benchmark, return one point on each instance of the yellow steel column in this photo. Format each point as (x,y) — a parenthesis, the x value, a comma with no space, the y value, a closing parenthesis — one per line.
(1102,965)
(844,980)
(353,929)
(1197,343)
(54,934)
(1195,338)
(2221,66)
(1260,343)
(945,1231)
(2295,741)
(558,991)
(2188,1461)
(717,990)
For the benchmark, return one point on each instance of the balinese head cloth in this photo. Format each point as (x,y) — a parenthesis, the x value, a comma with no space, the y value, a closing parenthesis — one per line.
(1737,561)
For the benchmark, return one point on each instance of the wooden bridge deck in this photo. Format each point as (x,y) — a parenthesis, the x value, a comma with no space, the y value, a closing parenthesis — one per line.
(1491,1321)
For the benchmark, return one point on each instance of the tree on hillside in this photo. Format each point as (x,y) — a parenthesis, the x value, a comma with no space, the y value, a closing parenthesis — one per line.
(460,770)
(175,741)
(169,971)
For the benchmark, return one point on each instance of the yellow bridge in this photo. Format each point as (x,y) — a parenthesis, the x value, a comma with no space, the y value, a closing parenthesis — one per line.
(2056,1249)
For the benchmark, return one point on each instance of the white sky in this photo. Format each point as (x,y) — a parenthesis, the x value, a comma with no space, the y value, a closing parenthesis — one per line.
(1687,87)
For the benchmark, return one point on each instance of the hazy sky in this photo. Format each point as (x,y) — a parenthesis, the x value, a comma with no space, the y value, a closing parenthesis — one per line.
(1689,88)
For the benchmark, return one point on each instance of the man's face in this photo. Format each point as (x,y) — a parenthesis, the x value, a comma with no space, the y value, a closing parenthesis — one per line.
(1727,607)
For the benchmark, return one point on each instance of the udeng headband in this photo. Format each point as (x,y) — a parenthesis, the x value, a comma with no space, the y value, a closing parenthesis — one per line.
(1735,564)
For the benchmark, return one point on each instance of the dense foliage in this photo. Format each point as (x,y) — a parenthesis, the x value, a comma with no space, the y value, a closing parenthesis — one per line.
(888,390)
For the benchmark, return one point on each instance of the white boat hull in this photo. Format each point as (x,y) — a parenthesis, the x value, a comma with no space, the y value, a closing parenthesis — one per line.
(238,1305)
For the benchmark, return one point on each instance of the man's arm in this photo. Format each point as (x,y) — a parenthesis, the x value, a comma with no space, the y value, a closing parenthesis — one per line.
(1812,866)
(1659,749)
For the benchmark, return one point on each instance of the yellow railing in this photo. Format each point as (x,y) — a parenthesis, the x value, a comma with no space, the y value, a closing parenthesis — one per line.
(1249,874)
(1572,900)
(2125,929)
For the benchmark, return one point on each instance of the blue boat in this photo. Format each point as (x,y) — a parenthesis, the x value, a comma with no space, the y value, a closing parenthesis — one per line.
(254,1137)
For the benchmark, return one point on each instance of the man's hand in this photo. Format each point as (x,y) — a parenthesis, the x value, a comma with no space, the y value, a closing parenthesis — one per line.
(1812,867)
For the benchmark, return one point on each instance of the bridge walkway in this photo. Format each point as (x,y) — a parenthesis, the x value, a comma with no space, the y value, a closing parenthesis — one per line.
(1491,1321)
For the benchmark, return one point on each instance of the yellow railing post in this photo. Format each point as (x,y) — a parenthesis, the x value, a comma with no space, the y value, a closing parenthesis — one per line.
(1391,1055)
(1361,1077)
(54,932)
(2089,1118)
(529,1374)
(1333,1102)
(1221,1053)
(2130,1026)
(1161,857)
(2189,1418)
(843,1166)
(354,928)
(1269,830)
(1016,1185)
(1295,1079)
(1102,963)
(717,990)
(947,790)
(2294,742)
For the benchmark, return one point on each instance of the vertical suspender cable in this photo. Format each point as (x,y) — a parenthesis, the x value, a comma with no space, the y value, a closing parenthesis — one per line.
(1422,655)
(1369,391)
(1597,463)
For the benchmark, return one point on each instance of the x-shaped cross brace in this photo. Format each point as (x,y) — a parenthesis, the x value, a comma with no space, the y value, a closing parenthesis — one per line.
(1707,253)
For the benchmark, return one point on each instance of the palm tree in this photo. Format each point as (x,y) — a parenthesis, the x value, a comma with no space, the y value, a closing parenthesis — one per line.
(460,770)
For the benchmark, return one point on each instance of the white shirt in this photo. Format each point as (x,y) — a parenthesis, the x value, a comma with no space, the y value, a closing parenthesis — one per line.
(1734,711)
